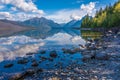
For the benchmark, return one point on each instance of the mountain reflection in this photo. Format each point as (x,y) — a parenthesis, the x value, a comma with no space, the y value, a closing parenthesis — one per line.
(37,33)
(22,43)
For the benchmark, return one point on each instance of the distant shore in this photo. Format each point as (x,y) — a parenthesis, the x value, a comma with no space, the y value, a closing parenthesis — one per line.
(114,29)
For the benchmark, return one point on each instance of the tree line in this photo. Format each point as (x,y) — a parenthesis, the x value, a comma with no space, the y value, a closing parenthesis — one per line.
(104,18)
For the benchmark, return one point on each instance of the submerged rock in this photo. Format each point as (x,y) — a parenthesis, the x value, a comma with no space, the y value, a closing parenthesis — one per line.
(70,51)
(30,53)
(43,58)
(34,64)
(39,70)
(42,51)
(53,54)
(86,57)
(50,59)
(8,65)
(23,61)
(66,50)
(29,72)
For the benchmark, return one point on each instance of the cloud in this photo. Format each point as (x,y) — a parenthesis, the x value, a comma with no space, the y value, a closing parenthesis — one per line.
(19,10)
(64,16)
(21,16)
(75,17)
(84,10)
(61,16)
(89,8)
(24,16)
(5,15)
(26,6)
(26,9)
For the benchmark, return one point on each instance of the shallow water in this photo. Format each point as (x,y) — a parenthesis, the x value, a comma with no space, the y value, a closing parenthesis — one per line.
(21,44)
(15,47)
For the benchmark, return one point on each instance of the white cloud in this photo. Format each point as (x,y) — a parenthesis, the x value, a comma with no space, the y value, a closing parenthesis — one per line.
(75,17)
(21,16)
(26,6)
(61,16)
(5,15)
(84,10)
(19,10)
(29,10)
(89,8)
(24,16)
(64,16)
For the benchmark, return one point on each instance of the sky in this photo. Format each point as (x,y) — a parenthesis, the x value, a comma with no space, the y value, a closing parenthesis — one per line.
(60,11)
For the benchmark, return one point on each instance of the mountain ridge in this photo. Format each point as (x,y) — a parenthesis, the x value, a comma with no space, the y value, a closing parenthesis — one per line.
(9,28)
(43,23)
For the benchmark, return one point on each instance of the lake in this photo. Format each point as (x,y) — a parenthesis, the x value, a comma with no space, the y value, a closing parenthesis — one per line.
(16,47)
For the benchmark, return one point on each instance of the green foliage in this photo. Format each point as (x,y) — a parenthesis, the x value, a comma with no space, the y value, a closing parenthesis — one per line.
(107,18)
(86,21)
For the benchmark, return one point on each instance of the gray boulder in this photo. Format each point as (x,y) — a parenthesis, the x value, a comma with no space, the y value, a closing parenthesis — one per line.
(102,56)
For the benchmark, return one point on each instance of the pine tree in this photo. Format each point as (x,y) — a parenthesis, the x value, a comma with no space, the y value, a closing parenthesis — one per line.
(109,17)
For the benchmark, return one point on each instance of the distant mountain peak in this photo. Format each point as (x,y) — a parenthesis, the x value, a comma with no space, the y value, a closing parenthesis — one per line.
(41,23)
(37,18)
(73,24)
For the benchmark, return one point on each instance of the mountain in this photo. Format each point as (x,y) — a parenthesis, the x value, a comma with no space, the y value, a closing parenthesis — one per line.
(10,21)
(73,24)
(44,24)
(41,23)
(7,28)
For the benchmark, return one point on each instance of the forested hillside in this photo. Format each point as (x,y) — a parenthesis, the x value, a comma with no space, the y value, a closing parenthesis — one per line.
(107,18)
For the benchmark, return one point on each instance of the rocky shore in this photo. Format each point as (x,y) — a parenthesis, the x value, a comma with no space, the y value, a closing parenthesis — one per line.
(101,61)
